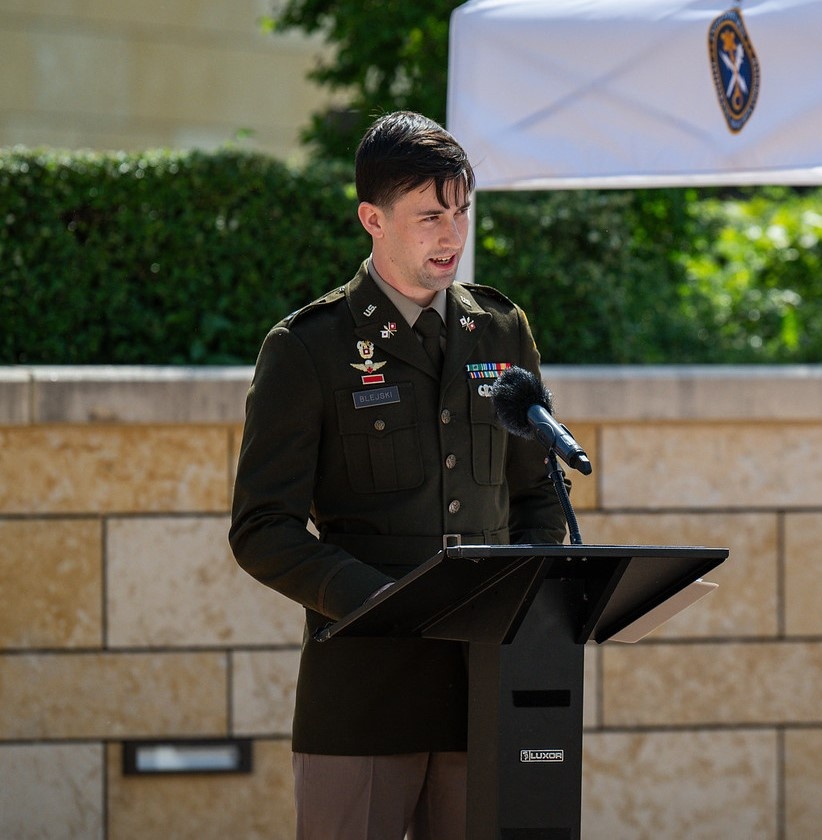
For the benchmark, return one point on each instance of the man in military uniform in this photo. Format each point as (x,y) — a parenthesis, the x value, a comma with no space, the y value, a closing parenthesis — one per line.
(382,432)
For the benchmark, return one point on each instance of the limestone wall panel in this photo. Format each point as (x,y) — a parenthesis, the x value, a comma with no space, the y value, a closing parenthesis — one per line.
(51,571)
(803,574)
(699,785)
(264,686)
(706,684)
(51,791)
(704,466)
(83,696)
(132,395)
(803,782)
(173,582)
(14,389)
(584,488)
(103,469)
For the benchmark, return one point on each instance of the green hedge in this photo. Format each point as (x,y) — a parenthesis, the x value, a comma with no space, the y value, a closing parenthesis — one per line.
(163,257)
(189,258)
(597,272)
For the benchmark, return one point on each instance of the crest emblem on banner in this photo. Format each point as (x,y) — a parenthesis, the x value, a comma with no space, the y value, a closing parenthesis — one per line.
(735,68)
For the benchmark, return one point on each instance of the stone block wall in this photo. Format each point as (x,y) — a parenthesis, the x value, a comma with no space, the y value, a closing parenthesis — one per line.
(124,616)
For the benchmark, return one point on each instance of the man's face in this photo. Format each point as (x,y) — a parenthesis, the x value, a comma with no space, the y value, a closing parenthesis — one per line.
(417,243)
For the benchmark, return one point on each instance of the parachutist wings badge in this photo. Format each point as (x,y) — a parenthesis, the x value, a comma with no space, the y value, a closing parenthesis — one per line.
(366,351)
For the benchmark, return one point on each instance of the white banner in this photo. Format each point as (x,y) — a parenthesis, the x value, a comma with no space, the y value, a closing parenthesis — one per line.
(563,94)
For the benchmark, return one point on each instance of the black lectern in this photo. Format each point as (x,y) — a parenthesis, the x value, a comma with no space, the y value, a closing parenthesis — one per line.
(526,612)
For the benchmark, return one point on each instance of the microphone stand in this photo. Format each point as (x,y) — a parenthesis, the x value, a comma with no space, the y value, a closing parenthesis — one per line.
(557,476)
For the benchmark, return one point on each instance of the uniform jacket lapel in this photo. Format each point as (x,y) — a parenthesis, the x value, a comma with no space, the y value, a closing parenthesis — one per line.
(376,319)
(467,321)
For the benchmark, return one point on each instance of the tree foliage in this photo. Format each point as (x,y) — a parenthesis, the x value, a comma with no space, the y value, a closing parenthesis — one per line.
(388,55)
(753,273)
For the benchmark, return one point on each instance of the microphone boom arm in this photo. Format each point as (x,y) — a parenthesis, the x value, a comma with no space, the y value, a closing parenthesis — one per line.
(557,476)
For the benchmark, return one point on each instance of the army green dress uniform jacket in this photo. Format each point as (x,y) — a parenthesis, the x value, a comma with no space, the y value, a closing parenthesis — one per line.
(348,423)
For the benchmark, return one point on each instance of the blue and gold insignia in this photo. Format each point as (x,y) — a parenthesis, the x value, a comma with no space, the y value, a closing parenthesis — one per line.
(735,68)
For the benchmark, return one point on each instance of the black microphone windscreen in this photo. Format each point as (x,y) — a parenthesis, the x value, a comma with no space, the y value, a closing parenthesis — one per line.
(513,393)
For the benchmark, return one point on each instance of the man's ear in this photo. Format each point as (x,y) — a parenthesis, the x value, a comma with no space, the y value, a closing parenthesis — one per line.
(371,218)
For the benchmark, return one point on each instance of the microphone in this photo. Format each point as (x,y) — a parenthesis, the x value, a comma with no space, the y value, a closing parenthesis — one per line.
(524,407)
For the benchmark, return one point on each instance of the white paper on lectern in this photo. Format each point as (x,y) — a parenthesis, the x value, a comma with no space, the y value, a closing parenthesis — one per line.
(666,610)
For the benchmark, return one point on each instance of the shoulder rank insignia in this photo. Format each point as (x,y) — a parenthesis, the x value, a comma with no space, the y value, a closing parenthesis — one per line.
(735,68)
(330,297)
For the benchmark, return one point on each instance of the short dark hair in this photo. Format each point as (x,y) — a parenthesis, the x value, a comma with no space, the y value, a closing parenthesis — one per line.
(404,150)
